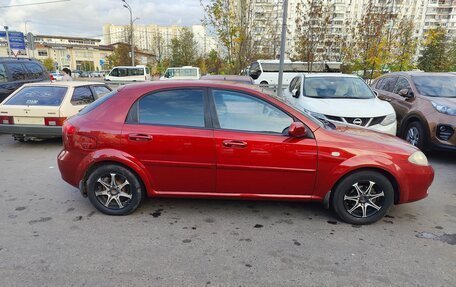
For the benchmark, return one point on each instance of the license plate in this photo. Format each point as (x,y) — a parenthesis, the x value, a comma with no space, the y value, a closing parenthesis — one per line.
(28,121)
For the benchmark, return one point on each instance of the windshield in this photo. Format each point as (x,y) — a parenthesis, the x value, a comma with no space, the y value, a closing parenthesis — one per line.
(38,96)
(337,88)
(436,86)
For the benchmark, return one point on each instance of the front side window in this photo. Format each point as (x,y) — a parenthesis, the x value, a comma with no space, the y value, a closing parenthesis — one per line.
(38,96)
(337,88)
(238,111)
(82,96)
(17,71)
(401,84)
(173,107)
(114,72)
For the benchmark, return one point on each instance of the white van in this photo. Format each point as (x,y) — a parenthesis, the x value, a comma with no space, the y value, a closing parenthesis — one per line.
(266,72)
(182,73)
(129,74)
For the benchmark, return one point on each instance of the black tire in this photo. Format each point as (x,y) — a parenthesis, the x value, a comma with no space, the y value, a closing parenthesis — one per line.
(415,135)
(132,188)
(365,213)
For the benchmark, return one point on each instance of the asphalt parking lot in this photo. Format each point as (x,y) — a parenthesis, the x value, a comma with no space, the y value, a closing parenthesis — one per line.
(52,236)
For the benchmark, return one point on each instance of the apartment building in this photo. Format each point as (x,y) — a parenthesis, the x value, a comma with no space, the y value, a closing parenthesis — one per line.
(157,39)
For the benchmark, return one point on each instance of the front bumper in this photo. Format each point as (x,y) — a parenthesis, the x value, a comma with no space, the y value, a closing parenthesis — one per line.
(32,130)
(415,182)
(388,129)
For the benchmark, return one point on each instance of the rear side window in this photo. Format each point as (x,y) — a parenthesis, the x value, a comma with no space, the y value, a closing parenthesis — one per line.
(35,70)
(3,75)
(136,72)
(38,96)
(97,103)
(17,71)
(401,84)
(82,96)
(100,91)
(388,84)
(175,107)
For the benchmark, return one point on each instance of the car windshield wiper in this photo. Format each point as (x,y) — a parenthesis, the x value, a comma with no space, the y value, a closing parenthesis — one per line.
(326,122)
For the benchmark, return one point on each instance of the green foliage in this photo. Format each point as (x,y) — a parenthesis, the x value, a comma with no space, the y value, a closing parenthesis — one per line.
(404,47)
(120,56)
(183,49)
(452,55)
(214,63)
(436,55)
(48,63)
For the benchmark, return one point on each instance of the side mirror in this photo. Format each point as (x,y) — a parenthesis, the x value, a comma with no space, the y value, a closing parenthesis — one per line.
(406,93)
(295,93)
(297,130)
(376,93)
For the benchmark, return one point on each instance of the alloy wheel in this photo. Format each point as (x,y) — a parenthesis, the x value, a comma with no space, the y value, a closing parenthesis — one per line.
(413,136)
(364,199)
(113,191)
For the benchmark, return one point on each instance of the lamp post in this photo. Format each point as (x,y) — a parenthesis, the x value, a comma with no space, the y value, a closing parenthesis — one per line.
(7,42)
(126,5)
(282,47)
(25,30)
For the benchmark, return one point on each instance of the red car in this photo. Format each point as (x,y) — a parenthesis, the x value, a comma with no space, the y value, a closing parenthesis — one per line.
(221,140)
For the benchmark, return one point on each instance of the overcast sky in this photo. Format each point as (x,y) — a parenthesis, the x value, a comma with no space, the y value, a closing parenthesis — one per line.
(86,17)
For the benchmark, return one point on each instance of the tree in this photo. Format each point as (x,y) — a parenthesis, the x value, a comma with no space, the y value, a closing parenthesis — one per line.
(183,49)
(120,56)
(214,63)
(48,63)
(452,55)
(435,57)
(404,47)
(313,43)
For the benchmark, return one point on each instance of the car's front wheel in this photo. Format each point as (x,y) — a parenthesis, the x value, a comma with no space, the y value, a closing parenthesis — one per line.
(414,134)
(363,197)
(114,190)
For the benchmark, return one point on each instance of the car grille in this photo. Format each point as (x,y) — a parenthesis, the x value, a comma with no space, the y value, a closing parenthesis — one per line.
(364,122)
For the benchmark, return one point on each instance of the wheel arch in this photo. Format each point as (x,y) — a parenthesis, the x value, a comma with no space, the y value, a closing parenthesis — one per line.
(414,118)
(387,174)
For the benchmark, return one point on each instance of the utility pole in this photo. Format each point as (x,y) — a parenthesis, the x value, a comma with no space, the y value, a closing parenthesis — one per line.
(7,42)
(29,44)
(282,47)
(126,5)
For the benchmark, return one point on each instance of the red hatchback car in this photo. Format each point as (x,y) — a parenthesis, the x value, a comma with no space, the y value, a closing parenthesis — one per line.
(221,140)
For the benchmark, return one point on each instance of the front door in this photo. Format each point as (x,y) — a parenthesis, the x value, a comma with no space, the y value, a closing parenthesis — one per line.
(168,133)
(255,155)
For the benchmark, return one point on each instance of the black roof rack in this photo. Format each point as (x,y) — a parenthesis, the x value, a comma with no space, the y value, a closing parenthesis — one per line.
(16,59)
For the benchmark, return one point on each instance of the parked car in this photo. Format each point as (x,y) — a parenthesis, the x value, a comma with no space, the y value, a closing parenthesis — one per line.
(137,73)
(222,140)
(425,105)
(56,76)
(38,110)
(341,98)
(231,78)
(96,74)
(18,71)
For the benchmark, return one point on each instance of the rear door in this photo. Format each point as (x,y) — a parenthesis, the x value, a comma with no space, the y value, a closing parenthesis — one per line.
(170,133)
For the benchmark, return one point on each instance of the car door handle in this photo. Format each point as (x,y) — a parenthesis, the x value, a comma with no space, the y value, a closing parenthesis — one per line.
(234,143)
(140,137)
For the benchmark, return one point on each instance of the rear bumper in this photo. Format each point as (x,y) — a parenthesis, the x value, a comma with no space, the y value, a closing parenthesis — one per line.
(32,130)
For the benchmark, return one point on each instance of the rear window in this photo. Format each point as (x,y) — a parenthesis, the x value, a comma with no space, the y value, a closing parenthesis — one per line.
(38,96)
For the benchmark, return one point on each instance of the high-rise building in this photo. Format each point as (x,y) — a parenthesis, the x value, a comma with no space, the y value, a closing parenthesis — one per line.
(157,39)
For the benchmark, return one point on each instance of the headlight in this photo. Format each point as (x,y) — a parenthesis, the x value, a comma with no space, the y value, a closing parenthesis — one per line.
(389,119)
(444,109)
(418,158)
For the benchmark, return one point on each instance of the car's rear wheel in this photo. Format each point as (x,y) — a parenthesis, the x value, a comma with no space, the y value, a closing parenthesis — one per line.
(114,189)
(363,197)
(414,134)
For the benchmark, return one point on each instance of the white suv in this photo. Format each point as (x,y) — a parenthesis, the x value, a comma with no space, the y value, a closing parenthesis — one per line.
(341,98)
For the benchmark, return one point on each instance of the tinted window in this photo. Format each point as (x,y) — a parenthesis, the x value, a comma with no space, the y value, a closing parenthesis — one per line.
(237,111)
(135,72)
(35,70)
(436,86)
(100,90)
(337,88)
(38,96)
(401,83)
(82,96)
(379,83)
(114,72)
(388,84)
(176,107)
(292,84)
(17,71)
(3,76)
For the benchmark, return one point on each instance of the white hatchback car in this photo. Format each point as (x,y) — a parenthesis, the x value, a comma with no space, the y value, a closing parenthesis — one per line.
(341,98)
(38,110)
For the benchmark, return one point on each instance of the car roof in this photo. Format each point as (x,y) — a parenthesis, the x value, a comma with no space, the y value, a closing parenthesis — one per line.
(334,75)
(63,84)
(418,74)
(227,78)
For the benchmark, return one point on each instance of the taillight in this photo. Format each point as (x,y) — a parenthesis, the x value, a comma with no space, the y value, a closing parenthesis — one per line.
(54,121)
(52,77)
(6,120)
